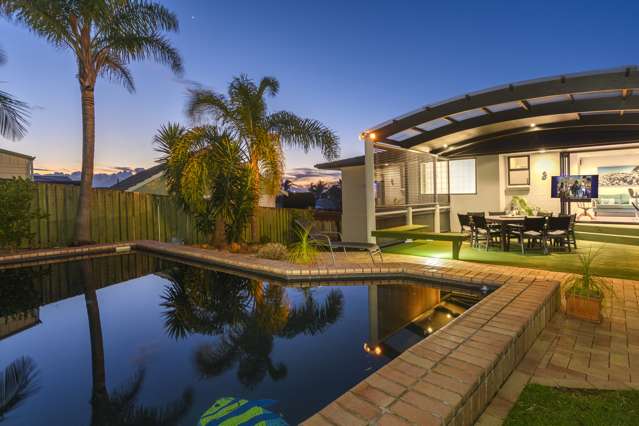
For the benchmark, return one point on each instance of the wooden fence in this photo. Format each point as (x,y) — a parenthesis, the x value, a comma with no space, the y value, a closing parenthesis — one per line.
(124,216)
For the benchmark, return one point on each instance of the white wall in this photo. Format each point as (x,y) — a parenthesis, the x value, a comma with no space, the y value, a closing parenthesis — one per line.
(539,191)
(489,194)
(354,204)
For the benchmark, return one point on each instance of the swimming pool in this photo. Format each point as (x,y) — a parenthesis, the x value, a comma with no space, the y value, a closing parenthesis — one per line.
(115,337)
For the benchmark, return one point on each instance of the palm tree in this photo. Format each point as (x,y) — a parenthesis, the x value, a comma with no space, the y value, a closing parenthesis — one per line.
(104,36)
(248,314)
(244,112)
(207,170)
(120,406)
(317,189)
(13,113)
(17,383)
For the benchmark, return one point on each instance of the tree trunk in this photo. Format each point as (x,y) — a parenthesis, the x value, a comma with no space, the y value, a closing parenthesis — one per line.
(99,395)
(219,236)
(255,237)
(82,231)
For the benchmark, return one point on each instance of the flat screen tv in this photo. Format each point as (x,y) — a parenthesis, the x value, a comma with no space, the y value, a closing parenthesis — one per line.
(575,187)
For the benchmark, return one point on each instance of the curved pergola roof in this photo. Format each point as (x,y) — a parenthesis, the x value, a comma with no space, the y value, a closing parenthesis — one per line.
(583,109)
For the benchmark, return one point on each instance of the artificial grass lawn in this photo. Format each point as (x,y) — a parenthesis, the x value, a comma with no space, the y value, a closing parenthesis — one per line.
(615,260)
(542,405)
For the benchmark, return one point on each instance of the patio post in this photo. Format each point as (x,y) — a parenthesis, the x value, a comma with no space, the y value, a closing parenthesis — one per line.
(436,219)
(369,184)
(409,215)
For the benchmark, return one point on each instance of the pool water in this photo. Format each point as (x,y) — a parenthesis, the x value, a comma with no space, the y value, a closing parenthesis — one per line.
(134,339)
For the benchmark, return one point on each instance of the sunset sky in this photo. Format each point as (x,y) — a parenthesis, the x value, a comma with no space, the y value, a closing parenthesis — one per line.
(349,64)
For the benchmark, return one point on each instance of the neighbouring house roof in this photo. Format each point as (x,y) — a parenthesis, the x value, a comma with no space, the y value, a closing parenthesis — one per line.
(340,164)
(16,154)
(139,178)
(571,110)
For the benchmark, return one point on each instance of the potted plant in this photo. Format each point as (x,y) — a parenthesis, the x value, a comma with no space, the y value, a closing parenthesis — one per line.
(585,292)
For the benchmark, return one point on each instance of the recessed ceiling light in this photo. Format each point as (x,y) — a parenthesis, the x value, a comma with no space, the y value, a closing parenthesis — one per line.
(533,125)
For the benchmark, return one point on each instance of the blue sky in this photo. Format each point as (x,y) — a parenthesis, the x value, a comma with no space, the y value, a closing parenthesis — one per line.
(350,64)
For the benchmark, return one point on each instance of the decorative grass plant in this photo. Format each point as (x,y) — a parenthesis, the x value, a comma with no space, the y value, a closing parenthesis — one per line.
(303,251)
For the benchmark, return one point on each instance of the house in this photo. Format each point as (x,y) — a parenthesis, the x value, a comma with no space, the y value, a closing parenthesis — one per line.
(153,181)
(475,152)
(14,164)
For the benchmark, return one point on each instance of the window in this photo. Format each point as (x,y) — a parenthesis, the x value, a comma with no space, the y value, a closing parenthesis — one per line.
(519,170)
(426,184)
(462,176)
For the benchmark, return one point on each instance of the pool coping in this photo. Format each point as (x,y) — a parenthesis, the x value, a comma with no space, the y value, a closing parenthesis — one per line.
(448,378)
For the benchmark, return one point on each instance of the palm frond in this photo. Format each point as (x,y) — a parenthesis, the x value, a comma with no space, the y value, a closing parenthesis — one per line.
(48,19)
(304,133)
(13,117)
(202,101)
(17,383)
(268,85)
(139,47)
(114,68)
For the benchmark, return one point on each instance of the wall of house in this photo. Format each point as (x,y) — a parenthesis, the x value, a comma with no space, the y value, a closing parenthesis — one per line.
(538,194)
(156,186)
(490,190)
(353,204)
(14,166)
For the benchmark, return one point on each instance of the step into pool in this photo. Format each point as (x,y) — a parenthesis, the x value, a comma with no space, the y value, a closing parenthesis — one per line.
(131,338)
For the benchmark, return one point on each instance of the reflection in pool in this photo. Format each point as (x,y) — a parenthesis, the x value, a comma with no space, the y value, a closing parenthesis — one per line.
(134,339)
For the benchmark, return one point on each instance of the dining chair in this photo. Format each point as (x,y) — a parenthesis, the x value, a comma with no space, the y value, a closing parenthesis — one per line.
(533,229)
(466,225)
(485,233)
(558,231)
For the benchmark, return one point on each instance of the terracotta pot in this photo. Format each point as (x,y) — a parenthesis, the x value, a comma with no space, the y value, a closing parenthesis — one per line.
(583,308)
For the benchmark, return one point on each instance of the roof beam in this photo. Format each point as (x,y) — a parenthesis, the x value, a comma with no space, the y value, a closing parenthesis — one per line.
(554,108)
(418,129)
(576,83)
(525,104)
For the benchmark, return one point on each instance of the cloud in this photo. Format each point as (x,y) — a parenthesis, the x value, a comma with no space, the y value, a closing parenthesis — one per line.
(302,177)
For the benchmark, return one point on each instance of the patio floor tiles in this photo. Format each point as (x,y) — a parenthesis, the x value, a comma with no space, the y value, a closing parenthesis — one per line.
(389,419)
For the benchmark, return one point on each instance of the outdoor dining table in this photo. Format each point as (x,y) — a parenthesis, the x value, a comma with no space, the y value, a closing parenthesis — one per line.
(504,221)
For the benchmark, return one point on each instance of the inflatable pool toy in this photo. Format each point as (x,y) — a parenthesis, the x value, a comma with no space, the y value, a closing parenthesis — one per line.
(231,411)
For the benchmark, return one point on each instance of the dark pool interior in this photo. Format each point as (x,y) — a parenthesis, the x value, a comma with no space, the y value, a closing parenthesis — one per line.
(135,339)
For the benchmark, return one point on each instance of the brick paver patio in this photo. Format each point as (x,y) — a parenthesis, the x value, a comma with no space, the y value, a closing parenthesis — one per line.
(577,354)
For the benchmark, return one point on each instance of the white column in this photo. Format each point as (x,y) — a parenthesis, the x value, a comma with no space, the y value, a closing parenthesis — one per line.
(409,215)
(436,220)
(369,184)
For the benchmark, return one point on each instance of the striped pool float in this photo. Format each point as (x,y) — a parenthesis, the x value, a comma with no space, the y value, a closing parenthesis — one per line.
(230,411)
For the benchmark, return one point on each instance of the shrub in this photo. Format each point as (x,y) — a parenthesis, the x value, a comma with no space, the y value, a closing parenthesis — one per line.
(275,251)
(16,212)
(303,251)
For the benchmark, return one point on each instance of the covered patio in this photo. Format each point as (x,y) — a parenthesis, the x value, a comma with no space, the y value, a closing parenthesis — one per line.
(497,153)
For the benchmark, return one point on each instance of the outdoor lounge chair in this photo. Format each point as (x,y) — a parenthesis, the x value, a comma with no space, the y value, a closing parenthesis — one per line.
(333,241)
